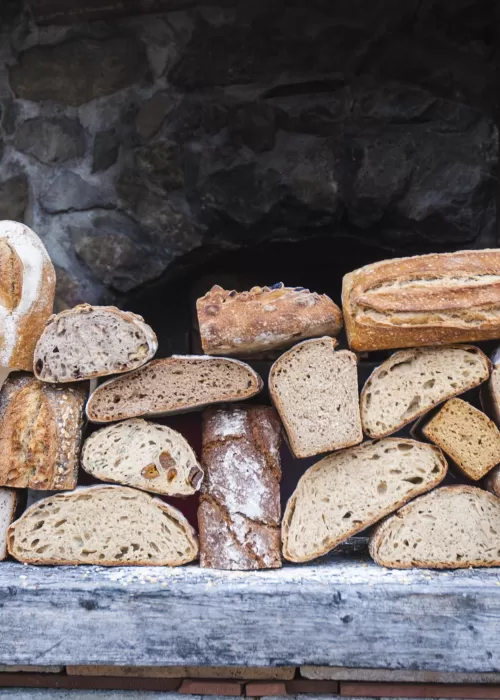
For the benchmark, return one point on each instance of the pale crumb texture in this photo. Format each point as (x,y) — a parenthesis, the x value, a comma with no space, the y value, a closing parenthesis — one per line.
(7,508)
(453,527)
(106,525)
(348,491)
(92,341)
(315,390)
(412,381)
(467,435)
(173,385)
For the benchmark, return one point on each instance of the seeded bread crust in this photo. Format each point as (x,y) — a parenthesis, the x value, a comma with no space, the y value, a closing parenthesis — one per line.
(435,299)
(264,319)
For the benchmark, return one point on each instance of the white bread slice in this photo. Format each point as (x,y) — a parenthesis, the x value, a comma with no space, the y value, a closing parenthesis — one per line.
(145,455)
(8,501)
(105,525)
(173,385)
(315,390)
(411,382)
(451,528)
(92,341)
(466,435)
(349,490)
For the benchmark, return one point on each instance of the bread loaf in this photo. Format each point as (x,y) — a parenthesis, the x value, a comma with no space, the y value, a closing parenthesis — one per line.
(493,392)
(239,511)
(92,341)
(435,299)
(265,319)
(105,525)
(349,490)
(145,455)
(411,382)
(315,390)
(173,385)
(8,500)
(451,528)
(27,288)
(40,433)
(492,481)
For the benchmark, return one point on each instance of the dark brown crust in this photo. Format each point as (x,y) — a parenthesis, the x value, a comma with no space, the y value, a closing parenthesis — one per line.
(264,319)
(378,534)
(458,304)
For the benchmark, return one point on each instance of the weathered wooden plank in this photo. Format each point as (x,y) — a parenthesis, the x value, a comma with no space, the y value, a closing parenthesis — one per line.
(344,611)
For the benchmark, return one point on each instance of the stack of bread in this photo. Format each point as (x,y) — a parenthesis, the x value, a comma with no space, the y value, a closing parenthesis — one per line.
(82,390)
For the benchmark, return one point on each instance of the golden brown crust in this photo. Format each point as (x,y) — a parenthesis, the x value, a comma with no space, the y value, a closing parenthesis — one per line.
(264,319)
(40,433)
(436,299)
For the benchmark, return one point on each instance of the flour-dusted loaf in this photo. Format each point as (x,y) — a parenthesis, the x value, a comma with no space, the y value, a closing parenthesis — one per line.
(451,528)
(349,490)
(466,435)
(8,501)
(264,319)
(239,512)
(435,299)
(145,455)
(173,385)
(315,389)
(40,433)
(92,341)
(493,393)
(105,525)
(27,288)
(411,382)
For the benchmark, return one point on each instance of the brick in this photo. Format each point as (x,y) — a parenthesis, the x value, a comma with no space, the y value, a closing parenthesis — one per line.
(319,687)
(31,669)
(259,689)
(210,687)
(346,673)
(129,671)
(54,681)
(418,690)
(243,673)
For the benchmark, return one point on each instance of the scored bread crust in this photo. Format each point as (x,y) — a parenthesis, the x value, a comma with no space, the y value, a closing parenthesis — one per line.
(168,509)
(263,319)
(331,544)
(403,356)
(113,386)
(434,299)
(383,527)
(86,310)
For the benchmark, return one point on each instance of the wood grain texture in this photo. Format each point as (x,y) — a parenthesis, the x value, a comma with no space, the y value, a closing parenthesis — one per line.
(342,611)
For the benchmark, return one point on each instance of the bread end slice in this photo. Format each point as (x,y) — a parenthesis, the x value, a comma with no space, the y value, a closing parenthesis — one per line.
(8,502)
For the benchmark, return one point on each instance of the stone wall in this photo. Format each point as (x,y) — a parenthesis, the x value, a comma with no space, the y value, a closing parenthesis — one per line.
(129,143)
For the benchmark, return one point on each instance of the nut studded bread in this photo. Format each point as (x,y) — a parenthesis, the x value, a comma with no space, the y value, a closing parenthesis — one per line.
(27,288)
(467,435)
(239,511)
(315,390)
(105,525)
(411,382)
(146,455)
(349,490)
(436,299)
(451,528)
(8,500)
(40,433)
(92,341)
(264,319)
(174,385)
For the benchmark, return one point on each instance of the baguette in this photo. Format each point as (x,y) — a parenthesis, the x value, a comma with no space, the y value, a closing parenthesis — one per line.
(453,527)
(493,393)
(347,491)
(92,341)
(315,390)
(145,455)
(411,382)
(435,299)
(104,525)
(263,320)
(173,385)
(40,433)
(8,502)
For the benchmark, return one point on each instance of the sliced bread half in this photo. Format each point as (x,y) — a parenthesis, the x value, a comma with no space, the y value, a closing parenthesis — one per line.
(315,390)
(8,501)
(146,455)
(105,525)
(451,528)
(348,491)
(467,435)
(92,341)
(411,382)
(174,385)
